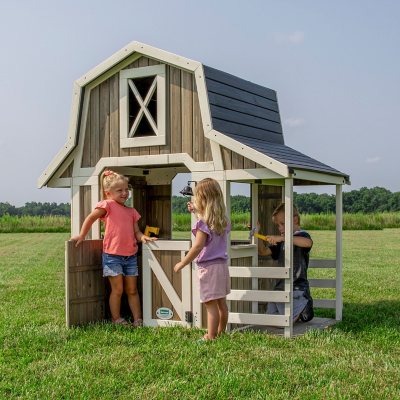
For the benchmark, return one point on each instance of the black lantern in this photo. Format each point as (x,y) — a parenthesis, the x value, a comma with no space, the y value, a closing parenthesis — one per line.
(187,190)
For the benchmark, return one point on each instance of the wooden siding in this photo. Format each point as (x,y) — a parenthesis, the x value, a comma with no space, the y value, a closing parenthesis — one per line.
(243,108)
(184,128)
(68,171)
(85,206)
(233,160)
(158,209)
(86,296)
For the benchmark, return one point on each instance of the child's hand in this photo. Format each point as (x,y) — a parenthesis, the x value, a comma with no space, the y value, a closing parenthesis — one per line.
(145,239)
(275,239)
(78,239)
(190,207)
(178,266)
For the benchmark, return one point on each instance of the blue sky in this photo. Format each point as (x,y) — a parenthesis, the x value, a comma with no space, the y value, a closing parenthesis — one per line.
(335,67)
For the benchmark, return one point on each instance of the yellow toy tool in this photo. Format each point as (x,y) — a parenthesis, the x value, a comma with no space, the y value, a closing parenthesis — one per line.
(253,233)
(151,231)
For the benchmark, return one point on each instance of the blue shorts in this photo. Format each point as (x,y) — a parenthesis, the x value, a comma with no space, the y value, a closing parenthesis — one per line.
(114,265)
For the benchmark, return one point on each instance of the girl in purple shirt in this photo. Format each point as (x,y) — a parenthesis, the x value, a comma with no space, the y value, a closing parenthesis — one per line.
(209,251)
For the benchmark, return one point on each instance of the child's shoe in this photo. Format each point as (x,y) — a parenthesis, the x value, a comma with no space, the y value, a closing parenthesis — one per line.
(138,323)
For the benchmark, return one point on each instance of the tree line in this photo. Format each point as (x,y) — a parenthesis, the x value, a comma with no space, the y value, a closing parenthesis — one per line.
(36,209)
(364,200)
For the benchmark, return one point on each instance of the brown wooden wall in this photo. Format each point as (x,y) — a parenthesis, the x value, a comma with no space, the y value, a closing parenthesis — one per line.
(184,129)
(234,160)
(85,205)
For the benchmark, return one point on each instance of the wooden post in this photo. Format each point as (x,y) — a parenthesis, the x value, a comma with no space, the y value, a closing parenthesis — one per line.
(254,220)
(339,252)
(289,254)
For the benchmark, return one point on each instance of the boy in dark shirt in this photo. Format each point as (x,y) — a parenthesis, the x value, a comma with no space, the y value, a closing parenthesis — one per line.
(302,243)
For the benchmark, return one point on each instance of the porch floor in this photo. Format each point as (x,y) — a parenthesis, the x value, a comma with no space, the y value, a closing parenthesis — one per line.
(299,328)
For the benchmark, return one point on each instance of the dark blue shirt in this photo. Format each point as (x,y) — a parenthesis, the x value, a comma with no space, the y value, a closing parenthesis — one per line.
(301,256)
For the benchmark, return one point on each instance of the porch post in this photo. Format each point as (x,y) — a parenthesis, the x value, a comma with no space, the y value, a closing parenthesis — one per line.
(254,220)
(289,254)
(339,252)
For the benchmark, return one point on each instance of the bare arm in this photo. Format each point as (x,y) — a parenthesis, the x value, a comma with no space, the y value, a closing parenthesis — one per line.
(194,251)
(87,224)
(141,237)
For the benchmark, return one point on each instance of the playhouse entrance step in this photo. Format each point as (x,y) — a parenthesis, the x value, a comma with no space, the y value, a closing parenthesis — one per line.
(299,328)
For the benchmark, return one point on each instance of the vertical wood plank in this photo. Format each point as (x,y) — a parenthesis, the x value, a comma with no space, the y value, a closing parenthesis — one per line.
(187,112)
(104,119)
(237,161)
(175,110)
(198,134)
(166,149)
(227,158)
(86,143)
(94,126)
(114,116)
(248,164)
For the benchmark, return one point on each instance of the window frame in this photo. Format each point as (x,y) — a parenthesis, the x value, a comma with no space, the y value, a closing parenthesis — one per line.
(159,72)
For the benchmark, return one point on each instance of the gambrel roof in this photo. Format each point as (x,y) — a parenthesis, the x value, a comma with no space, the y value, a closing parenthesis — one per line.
(236,114)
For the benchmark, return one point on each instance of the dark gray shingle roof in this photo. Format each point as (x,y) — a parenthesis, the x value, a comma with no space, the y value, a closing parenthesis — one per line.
(249,114)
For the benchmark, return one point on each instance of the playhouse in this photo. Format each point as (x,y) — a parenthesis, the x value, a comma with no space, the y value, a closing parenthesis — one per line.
(151,115)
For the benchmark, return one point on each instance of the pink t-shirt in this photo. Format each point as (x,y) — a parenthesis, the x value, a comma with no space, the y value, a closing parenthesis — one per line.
(119,236)
(215,249)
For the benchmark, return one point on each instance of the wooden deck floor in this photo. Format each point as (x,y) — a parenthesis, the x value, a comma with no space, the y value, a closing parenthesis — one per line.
(299,328)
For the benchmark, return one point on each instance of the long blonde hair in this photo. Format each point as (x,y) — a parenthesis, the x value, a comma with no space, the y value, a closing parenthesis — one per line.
(108,179)
(209,205)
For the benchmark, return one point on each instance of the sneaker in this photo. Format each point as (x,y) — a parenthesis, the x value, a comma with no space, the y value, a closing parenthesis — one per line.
(308,313)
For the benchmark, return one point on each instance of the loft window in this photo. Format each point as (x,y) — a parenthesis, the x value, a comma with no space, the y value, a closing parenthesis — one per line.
(142,106)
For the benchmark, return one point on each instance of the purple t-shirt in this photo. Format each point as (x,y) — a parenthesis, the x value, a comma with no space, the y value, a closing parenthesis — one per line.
(215,249)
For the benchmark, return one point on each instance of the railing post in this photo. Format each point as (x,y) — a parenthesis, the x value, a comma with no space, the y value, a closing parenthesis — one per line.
(339,252)
(289,253)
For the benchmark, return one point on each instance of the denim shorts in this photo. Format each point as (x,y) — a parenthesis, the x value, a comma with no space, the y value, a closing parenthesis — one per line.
(114,265)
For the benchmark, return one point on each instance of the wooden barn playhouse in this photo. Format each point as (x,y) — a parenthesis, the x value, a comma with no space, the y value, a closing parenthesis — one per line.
(151,115)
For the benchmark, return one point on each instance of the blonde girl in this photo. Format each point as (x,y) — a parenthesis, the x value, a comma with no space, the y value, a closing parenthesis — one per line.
(209,251)
(119,244)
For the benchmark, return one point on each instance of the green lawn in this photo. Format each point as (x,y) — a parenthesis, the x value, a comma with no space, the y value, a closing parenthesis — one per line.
(358,358)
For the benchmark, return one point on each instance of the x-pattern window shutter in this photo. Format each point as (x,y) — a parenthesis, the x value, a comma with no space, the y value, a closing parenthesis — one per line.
(142,106)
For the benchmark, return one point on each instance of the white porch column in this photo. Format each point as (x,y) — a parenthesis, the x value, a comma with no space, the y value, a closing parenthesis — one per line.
(339,252)
(254,220)
(289,253)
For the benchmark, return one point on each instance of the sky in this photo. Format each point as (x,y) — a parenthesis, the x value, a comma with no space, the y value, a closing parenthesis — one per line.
(335,67)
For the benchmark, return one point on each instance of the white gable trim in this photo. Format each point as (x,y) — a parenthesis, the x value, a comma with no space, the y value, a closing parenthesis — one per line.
(137,47)
(71,140)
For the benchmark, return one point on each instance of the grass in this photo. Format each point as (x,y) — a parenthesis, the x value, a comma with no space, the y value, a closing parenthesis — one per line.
(240,221)
(358,358)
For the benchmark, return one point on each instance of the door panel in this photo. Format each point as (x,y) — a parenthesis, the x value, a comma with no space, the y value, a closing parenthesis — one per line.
(162,287)
(85,285)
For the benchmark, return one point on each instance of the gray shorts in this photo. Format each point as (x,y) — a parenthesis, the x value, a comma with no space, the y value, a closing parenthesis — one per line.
(299,302)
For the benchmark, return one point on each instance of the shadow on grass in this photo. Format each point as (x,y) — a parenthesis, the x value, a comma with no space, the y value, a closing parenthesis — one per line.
(363,317)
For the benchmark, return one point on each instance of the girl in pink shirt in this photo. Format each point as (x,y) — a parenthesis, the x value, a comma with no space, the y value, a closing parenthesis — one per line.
(209,251)
(119,244)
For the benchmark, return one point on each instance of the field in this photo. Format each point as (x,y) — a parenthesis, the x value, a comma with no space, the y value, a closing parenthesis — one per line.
(358,358)
(240,221)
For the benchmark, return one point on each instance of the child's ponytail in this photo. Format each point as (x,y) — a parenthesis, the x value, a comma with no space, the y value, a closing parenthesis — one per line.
(107,180)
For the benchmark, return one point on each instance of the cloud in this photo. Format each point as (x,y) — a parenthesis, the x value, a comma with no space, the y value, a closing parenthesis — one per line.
(373,160)
(295,38)
(294,122)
